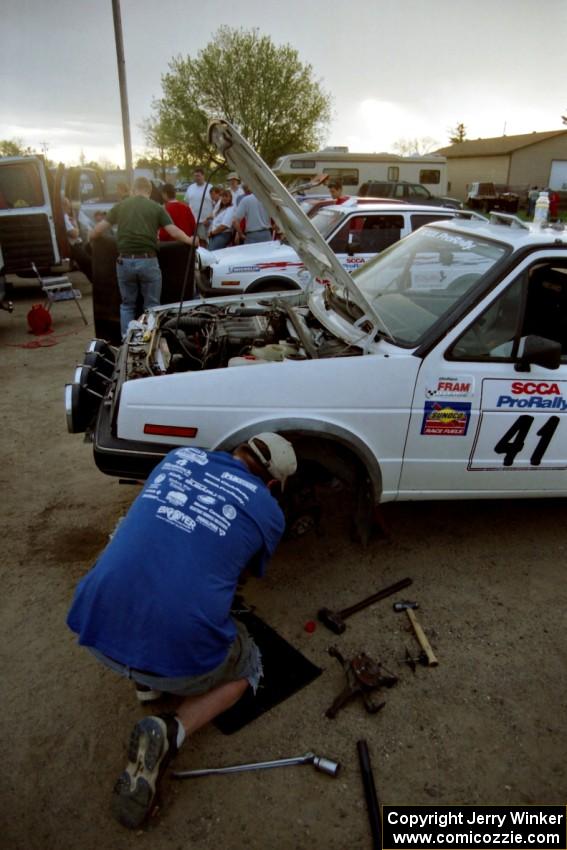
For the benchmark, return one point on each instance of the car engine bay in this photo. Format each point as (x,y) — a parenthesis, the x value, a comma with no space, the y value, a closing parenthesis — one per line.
(212,336)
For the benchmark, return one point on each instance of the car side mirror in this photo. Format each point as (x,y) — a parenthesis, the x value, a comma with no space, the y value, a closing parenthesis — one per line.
(539,351)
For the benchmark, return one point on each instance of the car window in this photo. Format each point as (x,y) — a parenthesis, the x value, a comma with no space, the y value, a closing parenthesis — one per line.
(419,191)
(90,187)
(492,334)
(20,186)
(534,304)
(380,190)
(399,190)
(419,280)
(326,219)
(368,234)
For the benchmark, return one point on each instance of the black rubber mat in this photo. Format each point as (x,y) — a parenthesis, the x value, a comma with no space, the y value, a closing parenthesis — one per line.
(286,671)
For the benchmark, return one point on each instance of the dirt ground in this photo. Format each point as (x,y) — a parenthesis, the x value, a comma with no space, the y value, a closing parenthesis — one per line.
(486,726)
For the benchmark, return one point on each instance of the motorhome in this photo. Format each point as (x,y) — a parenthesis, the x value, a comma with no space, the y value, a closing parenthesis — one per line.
(354,169)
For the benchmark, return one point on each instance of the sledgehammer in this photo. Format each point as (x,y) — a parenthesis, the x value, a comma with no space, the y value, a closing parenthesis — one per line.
(334,620)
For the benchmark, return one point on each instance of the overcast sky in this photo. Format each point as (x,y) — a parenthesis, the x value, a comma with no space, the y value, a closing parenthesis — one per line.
(395,68)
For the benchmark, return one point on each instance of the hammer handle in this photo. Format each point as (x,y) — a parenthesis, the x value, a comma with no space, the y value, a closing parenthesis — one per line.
(423,642)
(382,594)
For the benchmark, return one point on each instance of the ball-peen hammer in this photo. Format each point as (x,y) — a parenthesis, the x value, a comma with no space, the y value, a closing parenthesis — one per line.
(418,631)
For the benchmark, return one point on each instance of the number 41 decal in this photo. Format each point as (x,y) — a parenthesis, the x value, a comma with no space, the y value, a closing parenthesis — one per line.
(512,442)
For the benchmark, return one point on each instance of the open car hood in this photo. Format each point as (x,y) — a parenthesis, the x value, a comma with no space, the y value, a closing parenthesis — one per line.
(284,210)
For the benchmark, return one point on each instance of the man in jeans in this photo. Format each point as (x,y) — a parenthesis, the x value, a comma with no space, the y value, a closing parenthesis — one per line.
(137,268)
(156,607)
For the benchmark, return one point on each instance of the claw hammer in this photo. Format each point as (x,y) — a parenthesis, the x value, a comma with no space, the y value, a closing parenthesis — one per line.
(417,630)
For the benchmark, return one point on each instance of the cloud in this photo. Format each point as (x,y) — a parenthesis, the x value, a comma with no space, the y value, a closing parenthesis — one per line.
(380,124)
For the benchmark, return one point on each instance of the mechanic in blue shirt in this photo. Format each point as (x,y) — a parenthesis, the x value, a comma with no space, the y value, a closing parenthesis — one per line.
(156,606)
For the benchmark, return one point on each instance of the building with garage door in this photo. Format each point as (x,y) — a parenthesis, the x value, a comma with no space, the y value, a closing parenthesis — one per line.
(518,162)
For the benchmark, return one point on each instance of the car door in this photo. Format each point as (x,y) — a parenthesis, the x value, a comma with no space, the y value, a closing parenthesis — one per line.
(361,237)
(27,226)
(482,423)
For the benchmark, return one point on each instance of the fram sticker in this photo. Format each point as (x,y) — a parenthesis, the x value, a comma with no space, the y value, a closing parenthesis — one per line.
(446,419)
(450,387)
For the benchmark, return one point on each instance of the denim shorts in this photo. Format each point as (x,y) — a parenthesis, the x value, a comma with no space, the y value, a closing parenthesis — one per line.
(243,661)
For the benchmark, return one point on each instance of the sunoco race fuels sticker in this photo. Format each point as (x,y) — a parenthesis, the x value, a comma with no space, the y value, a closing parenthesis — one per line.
(446,418)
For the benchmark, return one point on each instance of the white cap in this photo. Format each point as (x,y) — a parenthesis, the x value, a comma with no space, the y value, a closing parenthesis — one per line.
(233,176)
(275,453)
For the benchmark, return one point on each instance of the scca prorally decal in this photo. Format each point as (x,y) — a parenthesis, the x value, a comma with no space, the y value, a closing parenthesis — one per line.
(532,387)
(445,419)
(533,395)
(536,402)
(450,387)
(524,394)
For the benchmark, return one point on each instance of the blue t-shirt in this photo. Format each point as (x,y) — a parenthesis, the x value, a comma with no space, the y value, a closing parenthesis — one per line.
(159,597)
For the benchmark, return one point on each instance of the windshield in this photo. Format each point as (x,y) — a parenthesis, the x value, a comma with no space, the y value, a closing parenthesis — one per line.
(326,219)
(417,281)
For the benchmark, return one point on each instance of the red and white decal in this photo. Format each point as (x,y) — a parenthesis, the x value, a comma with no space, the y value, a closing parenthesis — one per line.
(451,387)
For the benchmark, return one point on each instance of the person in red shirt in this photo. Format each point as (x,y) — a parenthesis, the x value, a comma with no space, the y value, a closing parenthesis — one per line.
(336,189)
(554,204)
(179,213)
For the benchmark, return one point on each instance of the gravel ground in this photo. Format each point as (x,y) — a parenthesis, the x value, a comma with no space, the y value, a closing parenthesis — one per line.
(486,726)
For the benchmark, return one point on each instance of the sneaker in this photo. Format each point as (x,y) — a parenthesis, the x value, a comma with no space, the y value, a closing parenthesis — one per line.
(152,746)
(147,694)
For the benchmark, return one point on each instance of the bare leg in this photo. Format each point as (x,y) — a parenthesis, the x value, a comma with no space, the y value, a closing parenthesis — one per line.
(195,712)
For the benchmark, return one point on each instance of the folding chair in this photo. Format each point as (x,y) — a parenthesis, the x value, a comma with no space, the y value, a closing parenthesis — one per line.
(59,289)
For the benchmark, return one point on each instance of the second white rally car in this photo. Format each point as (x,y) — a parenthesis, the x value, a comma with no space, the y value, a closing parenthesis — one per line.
(356,231)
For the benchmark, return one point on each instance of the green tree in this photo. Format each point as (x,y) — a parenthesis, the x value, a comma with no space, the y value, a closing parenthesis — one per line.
(243,77)
(157,156)
(14,147)
(458,134)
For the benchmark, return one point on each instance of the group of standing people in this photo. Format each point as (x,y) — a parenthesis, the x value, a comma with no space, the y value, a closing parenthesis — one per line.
(211,215)
(227,214)
(138,220)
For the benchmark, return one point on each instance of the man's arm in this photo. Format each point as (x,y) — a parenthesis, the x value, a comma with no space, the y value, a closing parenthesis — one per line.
(99,229)
(240,215)
(178,234)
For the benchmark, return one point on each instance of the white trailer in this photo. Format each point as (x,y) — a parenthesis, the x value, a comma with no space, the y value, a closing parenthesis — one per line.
(354,169)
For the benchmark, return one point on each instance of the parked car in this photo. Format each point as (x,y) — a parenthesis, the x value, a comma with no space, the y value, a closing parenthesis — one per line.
(32,228)
(414,193)
(491,196)
(438,370)
(355,231)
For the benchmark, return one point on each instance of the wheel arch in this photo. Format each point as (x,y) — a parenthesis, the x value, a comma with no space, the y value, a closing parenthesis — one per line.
(273,280)
(323,442)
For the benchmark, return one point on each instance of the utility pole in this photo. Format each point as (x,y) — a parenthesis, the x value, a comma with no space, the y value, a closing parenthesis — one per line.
(123,91)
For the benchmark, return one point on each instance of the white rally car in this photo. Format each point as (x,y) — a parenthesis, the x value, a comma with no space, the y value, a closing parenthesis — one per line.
(438,370)
(356,231)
